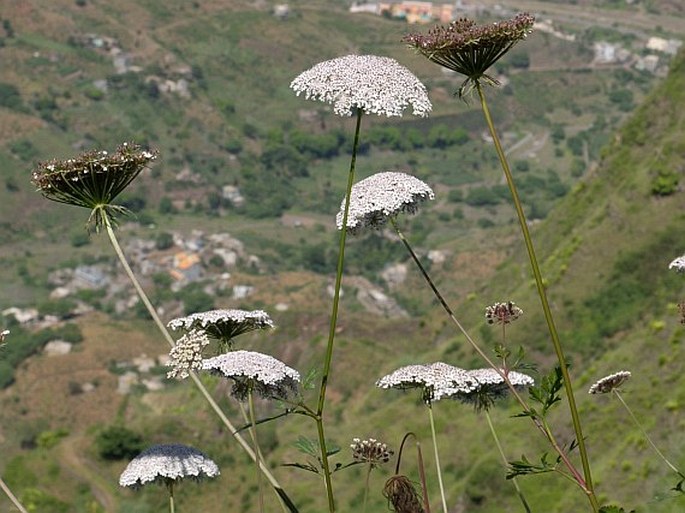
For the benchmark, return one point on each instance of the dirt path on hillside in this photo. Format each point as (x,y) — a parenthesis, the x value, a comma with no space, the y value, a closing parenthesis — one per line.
(83,470)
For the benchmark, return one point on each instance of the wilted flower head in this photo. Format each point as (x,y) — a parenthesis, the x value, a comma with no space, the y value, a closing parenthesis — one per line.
(224,325)
(402,495)
(258,372)
(380,196)
(166,464)
(678,265)
(471,49)
(502,313)
(92,179)
(436,380)
(490,386)
(375,85)
(370,451)
(186,355)
(609,383)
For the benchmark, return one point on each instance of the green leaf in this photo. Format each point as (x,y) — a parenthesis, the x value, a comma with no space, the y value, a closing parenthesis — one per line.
(307,446)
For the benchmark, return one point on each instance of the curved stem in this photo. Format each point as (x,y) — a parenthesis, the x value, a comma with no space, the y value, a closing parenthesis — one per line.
(11,496)
(437,459)
(644,433)
(546,432)
(282,495)
(577,428)
(519,492)
(334,321)
(422,470)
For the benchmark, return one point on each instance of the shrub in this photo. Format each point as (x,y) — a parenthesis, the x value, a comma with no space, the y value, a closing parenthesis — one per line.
(118,443)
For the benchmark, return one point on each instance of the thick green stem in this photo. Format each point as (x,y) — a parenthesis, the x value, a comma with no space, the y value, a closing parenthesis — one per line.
(200,386)
(539,283)
(334,321)
(437,459)
(644,433)
(11,496)
(546,432)
(519,492)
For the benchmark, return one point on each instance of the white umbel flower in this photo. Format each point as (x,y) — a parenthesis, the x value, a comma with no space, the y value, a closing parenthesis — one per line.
(269,377)
(224,325)
(380,196)
(376,85)
(436,380)
(490,387)
(678,265)
(164,463)
(186,355)
(609,383)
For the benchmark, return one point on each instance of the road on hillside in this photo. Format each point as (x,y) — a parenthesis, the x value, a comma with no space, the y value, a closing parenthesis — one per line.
(593,15)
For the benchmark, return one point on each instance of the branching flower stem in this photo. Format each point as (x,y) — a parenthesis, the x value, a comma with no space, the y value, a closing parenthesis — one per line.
(644,433)
(12,497)
(541,427)
(334,321)
(280,493)
(519,492)
(580,439)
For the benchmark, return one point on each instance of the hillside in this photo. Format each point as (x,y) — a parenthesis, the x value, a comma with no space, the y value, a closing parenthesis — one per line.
(603,181)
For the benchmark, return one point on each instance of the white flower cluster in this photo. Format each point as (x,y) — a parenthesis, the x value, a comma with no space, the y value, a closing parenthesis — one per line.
(490,376)
(380,196)
(255,319)
(490,387)
(370,451)
(186,355)
(609,383)
(254,371)
(502,313)
(436,380)
(376,85)
(164,462)
(678,264)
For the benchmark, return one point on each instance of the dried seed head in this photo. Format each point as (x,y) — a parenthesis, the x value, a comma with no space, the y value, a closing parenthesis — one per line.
(402,495)
(609,383)
(92,179)
(375,85)
(471,49)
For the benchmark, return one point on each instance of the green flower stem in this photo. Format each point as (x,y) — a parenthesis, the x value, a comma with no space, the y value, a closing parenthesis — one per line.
(172,507)
(11,496)
(366,486)
(644,433)
(577,428)
(282,495)
(437,459)
(519,492)
(542,428)
(334,321)
(253,433)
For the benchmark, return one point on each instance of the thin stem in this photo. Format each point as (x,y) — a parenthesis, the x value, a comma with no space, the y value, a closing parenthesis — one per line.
(172,507)
(11,496)
(519,492)
(422,470)
(260,458)
(644,433)
(548,435)
(577,427)
(334,321)
(366,486)
(437,459)
(282,495)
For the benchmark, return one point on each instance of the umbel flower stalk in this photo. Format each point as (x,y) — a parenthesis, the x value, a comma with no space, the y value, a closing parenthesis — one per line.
(358,85)
(85,181)
(470,49)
